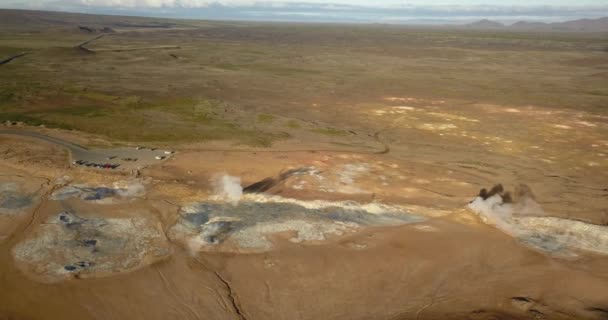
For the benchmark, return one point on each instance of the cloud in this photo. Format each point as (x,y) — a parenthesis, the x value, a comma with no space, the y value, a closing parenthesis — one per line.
(337,11)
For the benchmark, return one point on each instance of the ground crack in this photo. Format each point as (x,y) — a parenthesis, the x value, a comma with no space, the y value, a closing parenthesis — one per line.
(231,296)
(43,200)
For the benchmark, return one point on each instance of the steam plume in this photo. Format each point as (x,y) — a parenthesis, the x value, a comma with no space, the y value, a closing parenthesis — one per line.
(228,187)
(522,217)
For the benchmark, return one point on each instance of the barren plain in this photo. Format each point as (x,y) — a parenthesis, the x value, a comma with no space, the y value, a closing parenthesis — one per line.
(319,171)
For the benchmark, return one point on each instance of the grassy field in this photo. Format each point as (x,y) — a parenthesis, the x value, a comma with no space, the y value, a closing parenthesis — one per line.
(198,80)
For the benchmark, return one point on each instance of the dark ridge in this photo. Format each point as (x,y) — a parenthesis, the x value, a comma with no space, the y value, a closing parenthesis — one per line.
(603,311)
(261,186)
(85,28)
(267,183)
(523,299)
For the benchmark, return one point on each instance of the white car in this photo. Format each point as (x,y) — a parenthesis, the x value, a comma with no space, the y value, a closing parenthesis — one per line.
(159,157)
(169,152)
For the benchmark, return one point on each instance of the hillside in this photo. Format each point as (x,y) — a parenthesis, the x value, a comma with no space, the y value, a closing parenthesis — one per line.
(581,25)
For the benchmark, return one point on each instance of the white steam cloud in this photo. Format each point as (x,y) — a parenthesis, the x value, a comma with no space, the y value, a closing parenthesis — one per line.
(228,188)
(524,219)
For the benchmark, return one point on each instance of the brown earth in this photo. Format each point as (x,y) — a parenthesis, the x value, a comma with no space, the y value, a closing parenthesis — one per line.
(451,267)
(418,118)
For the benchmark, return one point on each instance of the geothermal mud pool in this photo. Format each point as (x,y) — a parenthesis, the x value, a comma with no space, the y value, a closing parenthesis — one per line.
(86,245)
(249,222)
(82,240)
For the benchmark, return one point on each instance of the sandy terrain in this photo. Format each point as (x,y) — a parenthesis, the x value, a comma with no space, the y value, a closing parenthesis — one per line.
(312,233)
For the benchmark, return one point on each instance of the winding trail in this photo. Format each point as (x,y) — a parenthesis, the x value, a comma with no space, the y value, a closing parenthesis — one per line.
(82,45)
(9,59)
(385,148)
(76,151)
(82,152)
(68,145)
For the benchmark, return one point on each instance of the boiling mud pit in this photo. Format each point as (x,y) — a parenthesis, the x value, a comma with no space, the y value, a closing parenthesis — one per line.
(248,224)
(520,216)
(87,245)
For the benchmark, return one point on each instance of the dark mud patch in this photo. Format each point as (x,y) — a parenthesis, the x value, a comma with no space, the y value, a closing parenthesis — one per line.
(270,182)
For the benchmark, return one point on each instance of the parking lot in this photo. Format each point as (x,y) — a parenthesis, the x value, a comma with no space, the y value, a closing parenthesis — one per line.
(124,158)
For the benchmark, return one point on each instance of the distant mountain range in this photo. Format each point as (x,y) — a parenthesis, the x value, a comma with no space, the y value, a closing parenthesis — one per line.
(20,19)
(582,25)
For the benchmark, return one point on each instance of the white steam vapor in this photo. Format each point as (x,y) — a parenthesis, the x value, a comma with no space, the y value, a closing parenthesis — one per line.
(495,212)
(524,219)
(228,188)
(129,189)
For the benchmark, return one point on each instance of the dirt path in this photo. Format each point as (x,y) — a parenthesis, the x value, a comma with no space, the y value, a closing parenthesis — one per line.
(82,45)
(7,60)
(72,147)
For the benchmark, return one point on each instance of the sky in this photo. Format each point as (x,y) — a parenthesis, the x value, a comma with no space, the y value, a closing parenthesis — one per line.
(365,11)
